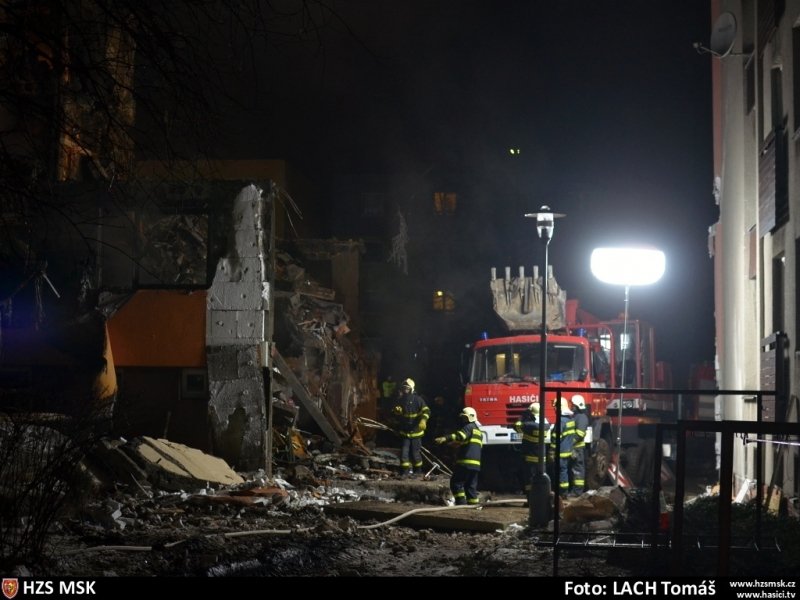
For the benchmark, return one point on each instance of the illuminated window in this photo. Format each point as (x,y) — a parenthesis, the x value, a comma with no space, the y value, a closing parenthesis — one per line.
(444,203)
(443,301)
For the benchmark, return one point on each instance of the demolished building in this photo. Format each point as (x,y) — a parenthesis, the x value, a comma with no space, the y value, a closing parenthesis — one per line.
(187,299)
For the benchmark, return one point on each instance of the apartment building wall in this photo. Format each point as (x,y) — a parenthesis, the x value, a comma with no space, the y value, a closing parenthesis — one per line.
(755,243)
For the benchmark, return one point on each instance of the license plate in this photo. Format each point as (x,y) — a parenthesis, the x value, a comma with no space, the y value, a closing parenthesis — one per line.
(515,437)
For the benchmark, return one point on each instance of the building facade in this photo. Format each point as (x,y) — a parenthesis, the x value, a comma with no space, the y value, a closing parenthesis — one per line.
(755,49)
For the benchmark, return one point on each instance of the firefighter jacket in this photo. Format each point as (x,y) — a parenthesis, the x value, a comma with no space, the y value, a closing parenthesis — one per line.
(388,389)
(528,428)
(470,441)
(567,442)
(581,425)
(413,414)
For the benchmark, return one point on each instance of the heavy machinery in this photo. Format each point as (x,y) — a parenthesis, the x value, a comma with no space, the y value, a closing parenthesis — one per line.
(503,377)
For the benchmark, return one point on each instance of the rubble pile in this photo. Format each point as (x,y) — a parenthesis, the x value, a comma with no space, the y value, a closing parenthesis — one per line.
(184,512)
(327,365)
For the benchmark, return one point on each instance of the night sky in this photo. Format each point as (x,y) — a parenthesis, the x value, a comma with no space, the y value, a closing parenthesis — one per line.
(608,102)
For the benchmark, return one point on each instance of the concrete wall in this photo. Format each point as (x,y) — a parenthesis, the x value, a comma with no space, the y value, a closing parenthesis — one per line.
(237,305)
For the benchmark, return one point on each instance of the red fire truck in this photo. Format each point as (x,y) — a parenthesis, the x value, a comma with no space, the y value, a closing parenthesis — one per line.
(582,351)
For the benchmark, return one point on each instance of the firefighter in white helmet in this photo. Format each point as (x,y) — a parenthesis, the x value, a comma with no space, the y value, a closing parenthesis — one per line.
(413,414)
(464,481)
(577,462)
(528,428)
(562,443)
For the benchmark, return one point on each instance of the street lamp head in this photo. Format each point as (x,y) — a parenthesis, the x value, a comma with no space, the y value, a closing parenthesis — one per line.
(545,221)
(628,266)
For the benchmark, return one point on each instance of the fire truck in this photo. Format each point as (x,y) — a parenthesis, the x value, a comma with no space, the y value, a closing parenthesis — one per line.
(503,377)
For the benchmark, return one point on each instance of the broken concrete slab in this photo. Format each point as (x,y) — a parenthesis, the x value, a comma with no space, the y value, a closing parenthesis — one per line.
(174,466)
(589,507)
(481,518)
(111,457)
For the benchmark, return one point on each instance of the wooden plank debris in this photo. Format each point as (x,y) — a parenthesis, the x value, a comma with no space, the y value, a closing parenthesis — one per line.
(305,399)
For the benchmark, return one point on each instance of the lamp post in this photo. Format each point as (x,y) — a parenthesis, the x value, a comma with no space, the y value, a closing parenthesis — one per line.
(626,266)
(539,496)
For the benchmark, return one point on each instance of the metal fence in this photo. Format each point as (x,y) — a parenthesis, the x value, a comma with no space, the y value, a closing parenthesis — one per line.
(673,541)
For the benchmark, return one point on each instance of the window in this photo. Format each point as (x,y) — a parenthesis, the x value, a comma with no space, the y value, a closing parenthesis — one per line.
(776,96)
(796,290)
(444,203)
(773,182)
(521,362)
(778,282)
(443,301)
(194,383)
(750,83)
(796,78)
(748,19)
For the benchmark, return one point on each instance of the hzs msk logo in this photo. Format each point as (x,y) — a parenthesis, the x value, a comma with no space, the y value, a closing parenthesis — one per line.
(10,587)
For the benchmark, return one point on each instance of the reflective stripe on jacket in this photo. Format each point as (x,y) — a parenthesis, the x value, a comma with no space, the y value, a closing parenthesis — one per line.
(413,410)
(470,439)
(567,441)
(581,425)
(528,428)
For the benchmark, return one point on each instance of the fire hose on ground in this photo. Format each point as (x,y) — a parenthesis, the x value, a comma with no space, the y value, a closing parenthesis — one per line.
(234,534)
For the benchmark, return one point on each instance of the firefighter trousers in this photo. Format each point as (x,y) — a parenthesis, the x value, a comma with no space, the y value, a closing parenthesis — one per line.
(411,454)
(464,485)
(577,467)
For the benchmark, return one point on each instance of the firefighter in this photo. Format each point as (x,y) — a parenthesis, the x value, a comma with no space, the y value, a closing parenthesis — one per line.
(386,403)
(577,463)
(464,481)
(562,448)
(388,388)
(412,413)
(528,428)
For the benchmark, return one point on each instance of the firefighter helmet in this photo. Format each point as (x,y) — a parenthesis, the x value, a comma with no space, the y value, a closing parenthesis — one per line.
(565,408)
(534,408)
(470,414)
(578,402)
(408,384)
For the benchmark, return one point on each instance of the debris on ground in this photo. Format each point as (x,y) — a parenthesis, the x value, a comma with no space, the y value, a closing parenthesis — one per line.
(336,513)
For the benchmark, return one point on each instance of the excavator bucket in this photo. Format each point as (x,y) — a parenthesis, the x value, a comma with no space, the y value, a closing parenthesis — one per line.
(518,301)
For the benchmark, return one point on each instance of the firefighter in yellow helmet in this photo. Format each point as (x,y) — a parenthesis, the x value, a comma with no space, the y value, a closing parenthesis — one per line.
(562,444)
(577,462)
(464,481)
(528,428)
(413,414)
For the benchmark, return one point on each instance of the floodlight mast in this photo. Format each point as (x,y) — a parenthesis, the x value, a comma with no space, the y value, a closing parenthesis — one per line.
(627,267)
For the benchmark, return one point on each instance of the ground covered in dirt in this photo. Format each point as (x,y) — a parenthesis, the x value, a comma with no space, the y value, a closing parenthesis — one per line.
(179,534)
(285,526)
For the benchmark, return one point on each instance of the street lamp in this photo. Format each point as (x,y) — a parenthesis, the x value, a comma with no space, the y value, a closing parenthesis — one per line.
(626,266)
(539,497)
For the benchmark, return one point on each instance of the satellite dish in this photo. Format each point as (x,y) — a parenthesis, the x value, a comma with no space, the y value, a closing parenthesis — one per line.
(723,35)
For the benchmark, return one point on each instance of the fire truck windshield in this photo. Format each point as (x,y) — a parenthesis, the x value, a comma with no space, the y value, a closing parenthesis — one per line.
(521,362)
